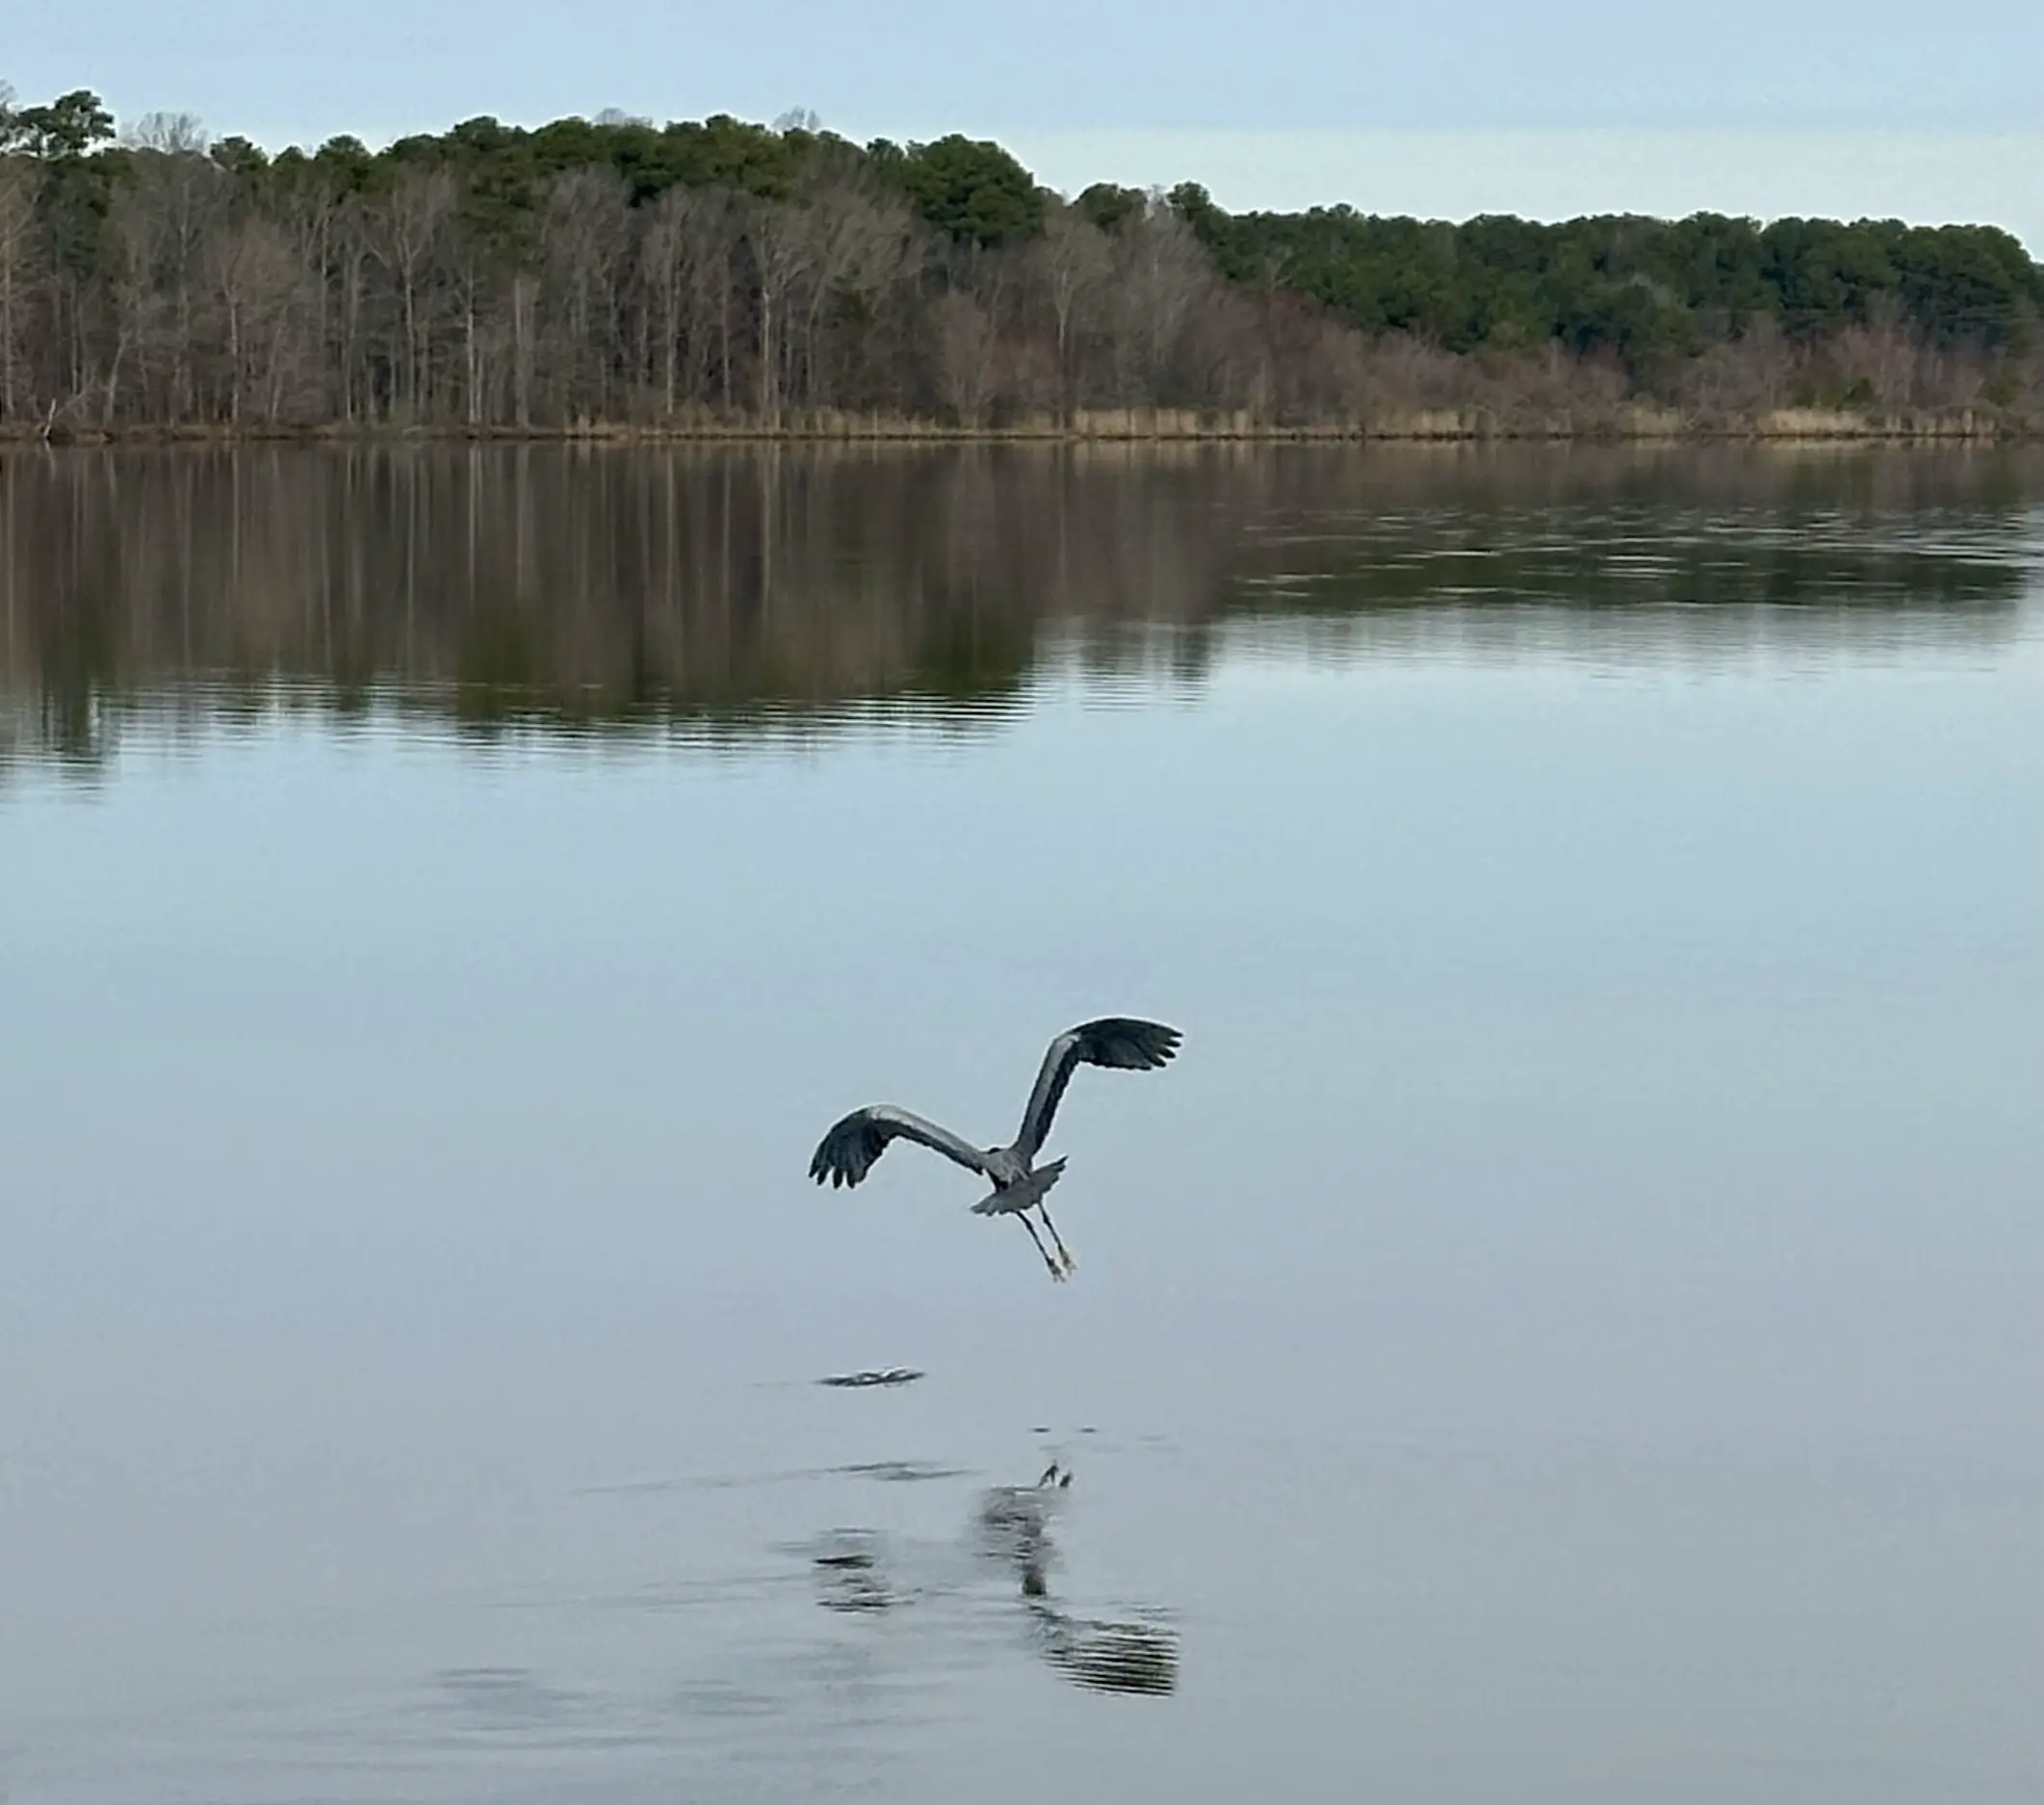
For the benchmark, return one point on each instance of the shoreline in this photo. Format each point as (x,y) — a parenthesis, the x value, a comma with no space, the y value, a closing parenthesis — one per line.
(1120,426)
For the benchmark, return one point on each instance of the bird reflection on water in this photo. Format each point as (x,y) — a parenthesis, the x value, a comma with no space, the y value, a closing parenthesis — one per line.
(1011,1530)
(1013,1523)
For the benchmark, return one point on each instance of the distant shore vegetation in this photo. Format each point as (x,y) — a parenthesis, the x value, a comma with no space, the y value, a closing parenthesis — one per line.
(706,277)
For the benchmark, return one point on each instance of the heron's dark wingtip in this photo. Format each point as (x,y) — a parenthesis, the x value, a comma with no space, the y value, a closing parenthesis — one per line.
(1127,1041)
(1154,1043)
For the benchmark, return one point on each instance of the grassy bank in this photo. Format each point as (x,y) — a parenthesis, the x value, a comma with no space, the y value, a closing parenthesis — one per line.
(1111,425)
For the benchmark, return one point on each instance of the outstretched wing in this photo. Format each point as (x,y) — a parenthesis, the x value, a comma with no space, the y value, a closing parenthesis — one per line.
(847,1153)
(1113,1041)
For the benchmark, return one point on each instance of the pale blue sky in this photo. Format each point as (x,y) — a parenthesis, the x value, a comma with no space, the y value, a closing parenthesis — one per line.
(1338,102)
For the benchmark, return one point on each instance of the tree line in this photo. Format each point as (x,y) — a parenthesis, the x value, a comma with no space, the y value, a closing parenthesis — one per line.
(716,275)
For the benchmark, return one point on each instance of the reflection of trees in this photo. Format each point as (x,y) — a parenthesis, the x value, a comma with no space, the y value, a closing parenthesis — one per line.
(746,589)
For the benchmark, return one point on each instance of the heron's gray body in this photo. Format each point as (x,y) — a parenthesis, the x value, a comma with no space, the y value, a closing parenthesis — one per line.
(847,1153)
(1025,1193)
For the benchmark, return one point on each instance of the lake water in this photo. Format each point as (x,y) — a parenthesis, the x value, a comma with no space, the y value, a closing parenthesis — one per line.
(1565,1328)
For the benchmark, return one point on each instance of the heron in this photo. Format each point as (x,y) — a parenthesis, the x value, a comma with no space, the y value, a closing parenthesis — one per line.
(847,1153)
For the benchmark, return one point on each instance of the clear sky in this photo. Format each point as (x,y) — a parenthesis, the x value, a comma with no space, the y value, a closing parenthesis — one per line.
(1164,90)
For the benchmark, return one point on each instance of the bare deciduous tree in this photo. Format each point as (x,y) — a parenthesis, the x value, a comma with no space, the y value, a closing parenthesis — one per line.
(259,284)
(167,213)
(1073,263)
(406,231)
(965,338)
(1160,274)
(783,254)
(1743,376)
(686,258)
(584,235)
(862,243)
(19,182)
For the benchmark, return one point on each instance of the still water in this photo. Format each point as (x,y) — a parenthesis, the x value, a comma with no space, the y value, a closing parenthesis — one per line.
(1565,1328)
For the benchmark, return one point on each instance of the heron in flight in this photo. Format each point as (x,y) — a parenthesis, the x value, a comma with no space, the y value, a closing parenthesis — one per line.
(847,1153)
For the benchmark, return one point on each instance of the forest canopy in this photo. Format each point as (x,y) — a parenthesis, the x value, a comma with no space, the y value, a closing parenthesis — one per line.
(611,270)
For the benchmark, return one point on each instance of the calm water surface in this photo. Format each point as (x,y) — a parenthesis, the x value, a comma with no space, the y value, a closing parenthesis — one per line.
(1566,1329)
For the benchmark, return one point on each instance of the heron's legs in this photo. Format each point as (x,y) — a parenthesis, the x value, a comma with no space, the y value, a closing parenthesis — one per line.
(1063,1253)
(1057,1272)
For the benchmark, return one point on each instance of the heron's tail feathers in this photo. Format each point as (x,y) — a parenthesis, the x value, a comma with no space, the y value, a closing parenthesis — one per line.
(1024,1195)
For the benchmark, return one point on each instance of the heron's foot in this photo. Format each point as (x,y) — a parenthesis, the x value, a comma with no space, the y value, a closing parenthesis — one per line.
(1051,1261)
(1057,1241)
